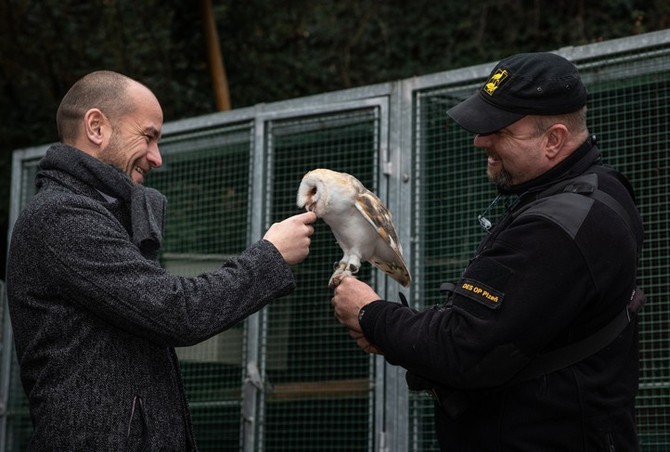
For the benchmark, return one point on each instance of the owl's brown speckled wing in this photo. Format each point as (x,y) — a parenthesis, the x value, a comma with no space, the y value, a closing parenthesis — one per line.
(378,215)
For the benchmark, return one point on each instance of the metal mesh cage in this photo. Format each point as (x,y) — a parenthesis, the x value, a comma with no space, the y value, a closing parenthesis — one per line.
(629,112)
(290,378)
(205,176)
(320,382)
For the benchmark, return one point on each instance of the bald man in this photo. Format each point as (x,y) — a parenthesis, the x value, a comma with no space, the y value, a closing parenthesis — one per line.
(95,317)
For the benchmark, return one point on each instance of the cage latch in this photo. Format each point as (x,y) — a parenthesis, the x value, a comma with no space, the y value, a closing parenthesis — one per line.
(252,383)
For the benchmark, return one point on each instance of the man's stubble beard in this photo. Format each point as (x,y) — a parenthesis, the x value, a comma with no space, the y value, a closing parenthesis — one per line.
(502,179)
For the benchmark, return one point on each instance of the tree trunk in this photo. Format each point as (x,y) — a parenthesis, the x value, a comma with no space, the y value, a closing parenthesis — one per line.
(216,66)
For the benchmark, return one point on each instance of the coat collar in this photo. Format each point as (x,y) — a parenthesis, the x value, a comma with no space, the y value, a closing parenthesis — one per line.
(147,205)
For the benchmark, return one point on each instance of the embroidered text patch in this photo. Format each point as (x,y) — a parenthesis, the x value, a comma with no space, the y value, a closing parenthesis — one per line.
(479,292)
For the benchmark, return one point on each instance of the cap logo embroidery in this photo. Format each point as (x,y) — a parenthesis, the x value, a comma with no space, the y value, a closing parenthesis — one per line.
(494,82)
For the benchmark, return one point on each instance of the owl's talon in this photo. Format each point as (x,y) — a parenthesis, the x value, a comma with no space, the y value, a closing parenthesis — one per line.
(337,278)
(353,269)
(335,281)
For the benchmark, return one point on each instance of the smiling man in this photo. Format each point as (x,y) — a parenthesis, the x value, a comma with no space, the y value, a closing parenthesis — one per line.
(95,317)
(535,347)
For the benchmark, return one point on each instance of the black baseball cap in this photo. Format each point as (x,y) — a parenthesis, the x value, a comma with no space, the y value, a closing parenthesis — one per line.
(524,84)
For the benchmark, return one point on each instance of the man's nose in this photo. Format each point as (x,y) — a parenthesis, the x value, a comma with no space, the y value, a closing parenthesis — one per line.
(154,156)
(482,140)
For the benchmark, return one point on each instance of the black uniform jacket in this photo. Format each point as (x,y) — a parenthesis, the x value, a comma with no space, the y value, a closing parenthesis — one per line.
(555,269)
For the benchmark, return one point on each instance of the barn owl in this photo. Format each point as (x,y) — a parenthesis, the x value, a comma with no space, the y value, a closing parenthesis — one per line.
(360,222)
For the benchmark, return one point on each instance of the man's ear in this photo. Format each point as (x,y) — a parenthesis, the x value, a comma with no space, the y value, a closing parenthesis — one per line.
(557,138)
(96,127)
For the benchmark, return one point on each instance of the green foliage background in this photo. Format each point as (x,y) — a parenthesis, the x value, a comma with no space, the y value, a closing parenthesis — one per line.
(272,50)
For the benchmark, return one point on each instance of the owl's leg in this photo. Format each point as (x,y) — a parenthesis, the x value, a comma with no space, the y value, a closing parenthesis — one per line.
(353,265)
(348,266)
(342,269)
(340,266)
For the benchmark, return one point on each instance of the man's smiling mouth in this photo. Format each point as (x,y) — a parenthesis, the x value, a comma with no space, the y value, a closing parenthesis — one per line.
(492,157)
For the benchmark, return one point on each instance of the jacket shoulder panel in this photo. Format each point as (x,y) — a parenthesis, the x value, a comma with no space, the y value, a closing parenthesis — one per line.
(567,210)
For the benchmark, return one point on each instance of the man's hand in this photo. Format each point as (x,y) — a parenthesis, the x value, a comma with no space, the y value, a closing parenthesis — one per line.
(291,237)
(363,342)
(349,297)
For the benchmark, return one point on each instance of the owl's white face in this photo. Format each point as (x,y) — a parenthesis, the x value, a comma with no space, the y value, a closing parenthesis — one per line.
(313,199)
(313,194)
(328,193)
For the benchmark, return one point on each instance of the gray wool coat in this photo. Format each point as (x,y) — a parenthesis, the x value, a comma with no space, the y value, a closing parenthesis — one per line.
(95,321)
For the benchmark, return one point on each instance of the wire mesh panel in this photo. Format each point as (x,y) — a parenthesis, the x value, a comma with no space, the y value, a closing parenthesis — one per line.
(630,113)
(452,193)
(205,176)
(17,426)
(320,387)
(317,390)
(629,98)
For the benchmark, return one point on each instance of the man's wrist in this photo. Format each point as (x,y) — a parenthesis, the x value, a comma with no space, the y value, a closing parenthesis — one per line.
(361,313)
(362,310)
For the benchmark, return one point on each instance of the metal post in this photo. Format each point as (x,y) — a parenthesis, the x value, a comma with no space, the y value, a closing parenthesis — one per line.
(5,368)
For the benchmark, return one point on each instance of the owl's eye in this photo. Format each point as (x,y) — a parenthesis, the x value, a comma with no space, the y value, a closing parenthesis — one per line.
(313,191)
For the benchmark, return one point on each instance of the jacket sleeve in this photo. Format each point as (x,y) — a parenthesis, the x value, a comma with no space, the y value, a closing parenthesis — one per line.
(532,289)
(95,265)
